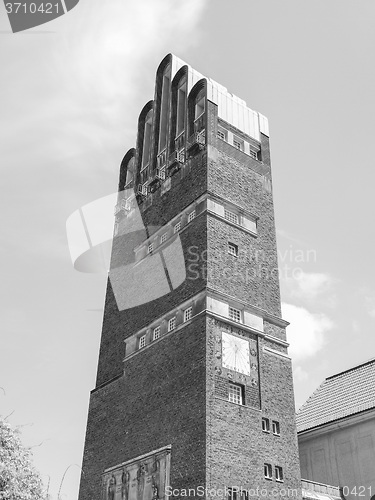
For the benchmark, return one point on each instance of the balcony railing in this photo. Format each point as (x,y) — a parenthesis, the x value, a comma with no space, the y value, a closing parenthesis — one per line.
(162,159)
(198,139)
(334,492)
(179,142)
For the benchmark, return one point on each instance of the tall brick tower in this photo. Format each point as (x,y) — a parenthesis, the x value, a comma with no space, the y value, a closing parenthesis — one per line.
(194,386)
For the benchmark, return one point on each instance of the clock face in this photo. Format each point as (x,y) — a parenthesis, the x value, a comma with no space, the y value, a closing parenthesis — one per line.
(236,354)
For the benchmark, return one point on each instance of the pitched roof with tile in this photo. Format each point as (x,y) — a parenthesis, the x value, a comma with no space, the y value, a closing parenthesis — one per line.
(341,395)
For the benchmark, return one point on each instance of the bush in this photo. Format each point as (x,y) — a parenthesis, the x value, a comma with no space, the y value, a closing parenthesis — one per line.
(19,480)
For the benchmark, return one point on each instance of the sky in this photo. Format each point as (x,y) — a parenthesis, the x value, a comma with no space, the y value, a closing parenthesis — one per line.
(71,92)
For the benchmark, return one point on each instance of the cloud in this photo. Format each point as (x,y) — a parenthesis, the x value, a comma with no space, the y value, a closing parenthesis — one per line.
(72,106)
(299,374)
(356,328)
(90,80)
(118,56)
(370,305)
(307,331)
(282,233)
(310,287)
(366,296)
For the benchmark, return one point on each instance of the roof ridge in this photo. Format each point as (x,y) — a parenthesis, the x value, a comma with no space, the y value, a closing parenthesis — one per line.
(369,361)
(312,395)
(304,426)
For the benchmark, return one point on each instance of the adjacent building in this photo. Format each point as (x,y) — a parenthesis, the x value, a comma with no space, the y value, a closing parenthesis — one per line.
(336,432)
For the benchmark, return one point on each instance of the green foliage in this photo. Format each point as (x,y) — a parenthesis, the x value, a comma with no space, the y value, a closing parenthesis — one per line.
(18,478)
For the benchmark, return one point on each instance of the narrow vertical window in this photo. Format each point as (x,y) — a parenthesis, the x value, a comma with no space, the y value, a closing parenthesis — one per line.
(265,424)
(171,324)
(142,342)
(199,107)
(279,476)
(232,493)
(164,112)
(156,333)
(276,428)
(181,106)
(147,140)
(268,471)
(237,493)
(130,172)
(188,314)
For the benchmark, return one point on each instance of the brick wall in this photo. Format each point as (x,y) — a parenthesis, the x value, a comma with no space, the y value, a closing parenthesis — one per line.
(118,325)
(159,401)
(237,448)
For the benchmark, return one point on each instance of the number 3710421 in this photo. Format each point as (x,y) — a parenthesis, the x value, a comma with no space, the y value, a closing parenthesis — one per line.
(32,8)
(357,491)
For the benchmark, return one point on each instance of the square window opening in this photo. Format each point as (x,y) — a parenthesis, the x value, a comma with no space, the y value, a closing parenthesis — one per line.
(236,393)
(231,216)
(233,249)
(238,143)
(235,314)
(199,108)
(191,216)
(222,134)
